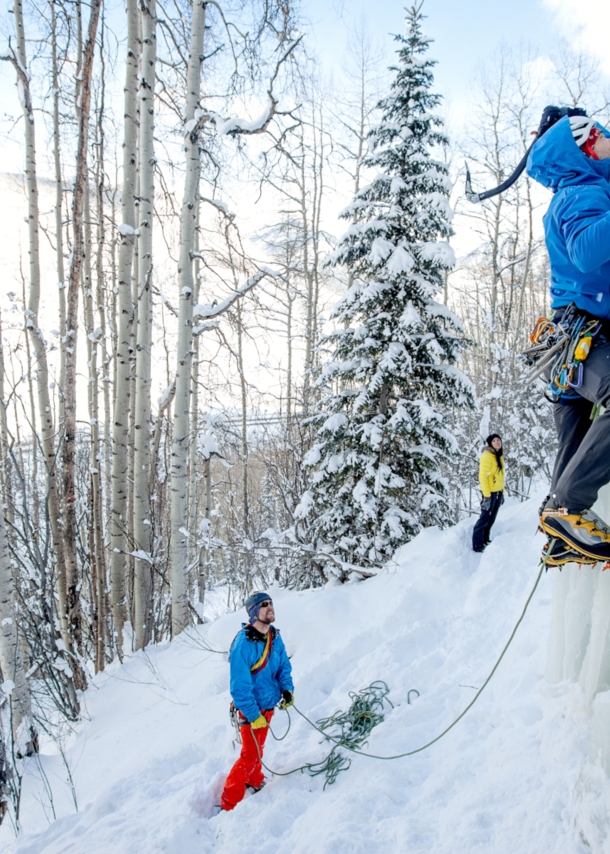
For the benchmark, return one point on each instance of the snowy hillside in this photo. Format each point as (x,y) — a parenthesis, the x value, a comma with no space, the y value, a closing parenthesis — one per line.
(149,762)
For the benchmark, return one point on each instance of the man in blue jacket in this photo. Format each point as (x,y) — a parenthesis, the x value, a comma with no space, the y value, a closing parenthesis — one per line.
(261,676)
(572,159)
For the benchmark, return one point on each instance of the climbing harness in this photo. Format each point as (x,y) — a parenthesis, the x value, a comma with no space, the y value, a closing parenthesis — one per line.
(560,349)
(236,723)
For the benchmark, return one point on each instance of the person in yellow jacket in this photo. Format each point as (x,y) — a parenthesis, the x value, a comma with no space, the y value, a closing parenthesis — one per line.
(491,478)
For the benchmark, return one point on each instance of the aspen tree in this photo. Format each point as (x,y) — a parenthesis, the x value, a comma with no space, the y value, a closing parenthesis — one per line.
(11,665)
(95,516)
(74,283)
(100,294)
(5,477)
(19,60)
(193,449)
(120,437)
(59,235)
(142,440)
(180,439)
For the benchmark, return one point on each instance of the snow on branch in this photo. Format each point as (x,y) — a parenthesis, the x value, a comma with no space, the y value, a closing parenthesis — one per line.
(205,327)
(220,206)
(236,126)
(221,307)
(343,565)
(232,127)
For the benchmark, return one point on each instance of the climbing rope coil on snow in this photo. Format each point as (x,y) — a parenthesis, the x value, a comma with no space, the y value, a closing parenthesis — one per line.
(366,712)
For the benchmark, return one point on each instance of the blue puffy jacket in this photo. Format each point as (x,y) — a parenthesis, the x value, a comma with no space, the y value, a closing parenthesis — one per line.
(577,223)
(253,692)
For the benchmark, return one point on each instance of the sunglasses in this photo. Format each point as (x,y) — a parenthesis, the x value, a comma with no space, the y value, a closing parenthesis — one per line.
(266,603)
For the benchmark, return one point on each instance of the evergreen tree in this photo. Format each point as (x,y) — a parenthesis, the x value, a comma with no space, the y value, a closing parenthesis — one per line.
(382,426)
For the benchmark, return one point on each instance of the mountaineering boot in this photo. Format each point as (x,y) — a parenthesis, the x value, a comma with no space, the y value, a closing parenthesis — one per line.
(583,532)
(558,553)
(256,788)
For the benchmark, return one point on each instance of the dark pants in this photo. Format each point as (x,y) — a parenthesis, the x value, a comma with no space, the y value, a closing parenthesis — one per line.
(482,529)
(582,465)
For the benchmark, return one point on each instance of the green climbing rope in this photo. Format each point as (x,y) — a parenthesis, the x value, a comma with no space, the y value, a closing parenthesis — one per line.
(349,729)
(366,711)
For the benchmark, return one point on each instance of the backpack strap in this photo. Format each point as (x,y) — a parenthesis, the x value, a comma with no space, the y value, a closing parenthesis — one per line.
(264,659)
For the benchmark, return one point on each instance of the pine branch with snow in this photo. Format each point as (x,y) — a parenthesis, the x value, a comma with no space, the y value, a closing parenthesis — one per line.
(391,384)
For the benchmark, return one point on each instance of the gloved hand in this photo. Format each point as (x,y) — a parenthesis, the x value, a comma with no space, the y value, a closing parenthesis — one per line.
(259,723)
(501,499)
(287,699)
(485,503)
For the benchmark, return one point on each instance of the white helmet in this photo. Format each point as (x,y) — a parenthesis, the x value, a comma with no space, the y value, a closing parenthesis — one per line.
(581,127)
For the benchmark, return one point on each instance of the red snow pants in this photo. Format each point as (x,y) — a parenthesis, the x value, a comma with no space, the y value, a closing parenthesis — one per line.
(248,770)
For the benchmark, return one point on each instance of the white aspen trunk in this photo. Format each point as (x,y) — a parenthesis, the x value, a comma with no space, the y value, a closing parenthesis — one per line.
(59,234)
(141,515)
(309,343)
(120,437)
(204,551)
(35,333)
(11,666)
(192,467)
(96,525)
(34,479)
(180,440)
(289,302)
(164,407)
(101,304)
(74,281)
(133,349)
(100,341)
(244,431)
(5,478)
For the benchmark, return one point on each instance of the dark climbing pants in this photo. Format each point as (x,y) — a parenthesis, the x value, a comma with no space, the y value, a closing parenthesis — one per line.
(482,529)
(582,465)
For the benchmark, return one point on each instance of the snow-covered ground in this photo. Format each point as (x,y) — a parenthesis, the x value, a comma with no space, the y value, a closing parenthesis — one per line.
(149,761)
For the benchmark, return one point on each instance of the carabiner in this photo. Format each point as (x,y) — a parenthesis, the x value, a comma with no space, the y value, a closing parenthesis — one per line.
(578,367)
(561,381)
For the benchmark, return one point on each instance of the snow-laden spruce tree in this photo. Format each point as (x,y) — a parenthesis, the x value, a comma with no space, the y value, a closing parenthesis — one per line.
(383,426)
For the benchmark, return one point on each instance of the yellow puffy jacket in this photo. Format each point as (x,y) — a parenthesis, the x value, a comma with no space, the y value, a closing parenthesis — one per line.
(491,477)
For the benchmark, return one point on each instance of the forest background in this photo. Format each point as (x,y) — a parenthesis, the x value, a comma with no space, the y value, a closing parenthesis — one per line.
(165,300)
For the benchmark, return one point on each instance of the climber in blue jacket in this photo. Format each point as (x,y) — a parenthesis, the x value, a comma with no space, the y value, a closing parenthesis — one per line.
(261,677)
(572,159)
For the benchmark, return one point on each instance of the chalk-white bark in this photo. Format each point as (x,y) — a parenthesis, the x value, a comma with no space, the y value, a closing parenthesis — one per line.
(13,681)
(74,284)
(141,515)
(120,436)
(34,331)
(180,439)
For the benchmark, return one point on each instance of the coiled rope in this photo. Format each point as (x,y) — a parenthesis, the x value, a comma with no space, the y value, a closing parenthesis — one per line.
(366,712)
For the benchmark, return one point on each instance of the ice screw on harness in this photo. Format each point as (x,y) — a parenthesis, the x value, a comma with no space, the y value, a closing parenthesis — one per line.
(561,349)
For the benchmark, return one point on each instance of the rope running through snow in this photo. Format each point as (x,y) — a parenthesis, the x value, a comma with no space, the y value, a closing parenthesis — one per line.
(334,762)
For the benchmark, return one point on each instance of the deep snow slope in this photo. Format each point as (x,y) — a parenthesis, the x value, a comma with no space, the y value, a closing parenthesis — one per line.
(149,761)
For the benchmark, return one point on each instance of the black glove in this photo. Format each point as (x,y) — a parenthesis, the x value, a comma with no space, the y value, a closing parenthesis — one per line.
(501,499)
(485,504)
(287,699)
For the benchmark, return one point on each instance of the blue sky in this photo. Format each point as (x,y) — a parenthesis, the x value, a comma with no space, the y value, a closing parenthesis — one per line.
(464,31)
